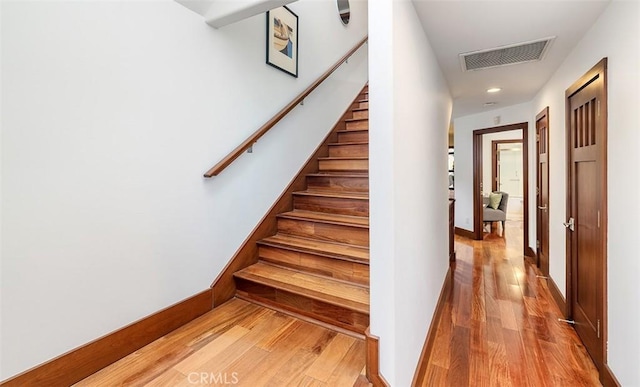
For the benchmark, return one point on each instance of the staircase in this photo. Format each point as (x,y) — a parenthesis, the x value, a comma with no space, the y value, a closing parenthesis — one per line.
(317,264)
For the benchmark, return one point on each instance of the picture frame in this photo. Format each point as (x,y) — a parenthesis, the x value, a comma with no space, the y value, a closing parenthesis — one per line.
(282,40)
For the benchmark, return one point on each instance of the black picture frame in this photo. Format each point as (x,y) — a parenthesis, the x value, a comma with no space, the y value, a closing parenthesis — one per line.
(282,40)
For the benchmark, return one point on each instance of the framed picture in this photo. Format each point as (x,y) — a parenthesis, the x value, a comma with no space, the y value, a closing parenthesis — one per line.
(282,40)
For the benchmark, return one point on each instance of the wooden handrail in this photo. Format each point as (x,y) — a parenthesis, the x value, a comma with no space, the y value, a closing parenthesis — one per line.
(246,144)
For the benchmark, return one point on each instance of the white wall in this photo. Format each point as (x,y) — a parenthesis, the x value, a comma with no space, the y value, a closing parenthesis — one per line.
(409,118)
(464,127)
(111,112)
(1,158)
(486,153)
(615,35)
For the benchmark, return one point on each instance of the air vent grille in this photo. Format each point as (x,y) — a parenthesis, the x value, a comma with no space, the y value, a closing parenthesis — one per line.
(506,55)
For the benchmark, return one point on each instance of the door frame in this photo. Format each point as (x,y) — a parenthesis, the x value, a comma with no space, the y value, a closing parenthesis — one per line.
(494,160)
(599,70)
(543,114)
(477,178)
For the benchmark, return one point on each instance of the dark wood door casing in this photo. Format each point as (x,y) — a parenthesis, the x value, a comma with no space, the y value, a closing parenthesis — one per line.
(586,136)
(542,191)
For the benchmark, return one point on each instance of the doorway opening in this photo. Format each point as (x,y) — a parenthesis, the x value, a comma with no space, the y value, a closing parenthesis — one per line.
(506,171)
(481,189)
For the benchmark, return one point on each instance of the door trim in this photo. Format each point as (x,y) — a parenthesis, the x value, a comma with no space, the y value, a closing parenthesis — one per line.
(599,70)
(494,160)
(543,114)
(477,176)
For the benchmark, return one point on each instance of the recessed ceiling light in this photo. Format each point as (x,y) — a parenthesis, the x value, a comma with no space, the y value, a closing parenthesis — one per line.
(489,103)
(493,90)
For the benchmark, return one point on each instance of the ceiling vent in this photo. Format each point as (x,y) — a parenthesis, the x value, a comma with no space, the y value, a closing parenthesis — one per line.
(506,55)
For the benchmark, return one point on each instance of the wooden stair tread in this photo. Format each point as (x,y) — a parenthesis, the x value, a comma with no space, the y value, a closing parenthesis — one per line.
(346,295)
(352,130)
(349,143)
(319,247)
(357,174)
(334,194)
(356,119)
(347,220)
(359,109)
(343,158)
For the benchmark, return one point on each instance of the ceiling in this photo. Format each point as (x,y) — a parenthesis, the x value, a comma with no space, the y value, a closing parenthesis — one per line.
(456,26)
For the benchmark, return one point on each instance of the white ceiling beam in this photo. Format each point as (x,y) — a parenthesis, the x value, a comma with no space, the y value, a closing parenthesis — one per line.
(198,6)
(225,12)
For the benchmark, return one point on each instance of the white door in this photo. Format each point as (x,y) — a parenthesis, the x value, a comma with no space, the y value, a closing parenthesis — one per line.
(510,170)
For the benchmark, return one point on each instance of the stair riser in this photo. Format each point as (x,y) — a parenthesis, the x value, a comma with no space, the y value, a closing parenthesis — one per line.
(343,206)
(361,105)
(328,313)
(361,114)
(324,231)
(316,264)
(353,137)
(359,150)
(357,125)
(344,165)
(349,184)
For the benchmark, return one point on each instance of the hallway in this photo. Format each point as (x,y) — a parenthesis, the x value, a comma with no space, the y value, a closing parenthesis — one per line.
(500,325)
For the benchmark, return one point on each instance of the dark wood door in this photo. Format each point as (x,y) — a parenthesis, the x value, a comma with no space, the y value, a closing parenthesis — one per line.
(542,190)
(587,190)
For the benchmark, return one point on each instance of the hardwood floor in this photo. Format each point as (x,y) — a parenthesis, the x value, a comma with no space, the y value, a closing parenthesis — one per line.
(499,328)
(500,325)
(241,344)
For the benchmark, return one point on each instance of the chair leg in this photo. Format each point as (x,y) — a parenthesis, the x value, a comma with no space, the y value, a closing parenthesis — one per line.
(503,224)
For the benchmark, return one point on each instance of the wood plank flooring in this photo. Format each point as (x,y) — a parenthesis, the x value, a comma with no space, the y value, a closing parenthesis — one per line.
(499,328)
(500,325)
(241,344)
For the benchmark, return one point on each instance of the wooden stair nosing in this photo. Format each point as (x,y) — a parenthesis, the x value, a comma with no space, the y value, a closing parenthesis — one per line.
(343,158)
(356,119)
(346,181)
(349,142)
(325,229)
(333,201)
(334,194)
(343,163)
(361,134)
(272,242)
(290,303)
(303,317)
(249,274)
(359,114)
(321,217)
(349,149)
(343,269)
(353,135)
(354,174)
(303,271)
